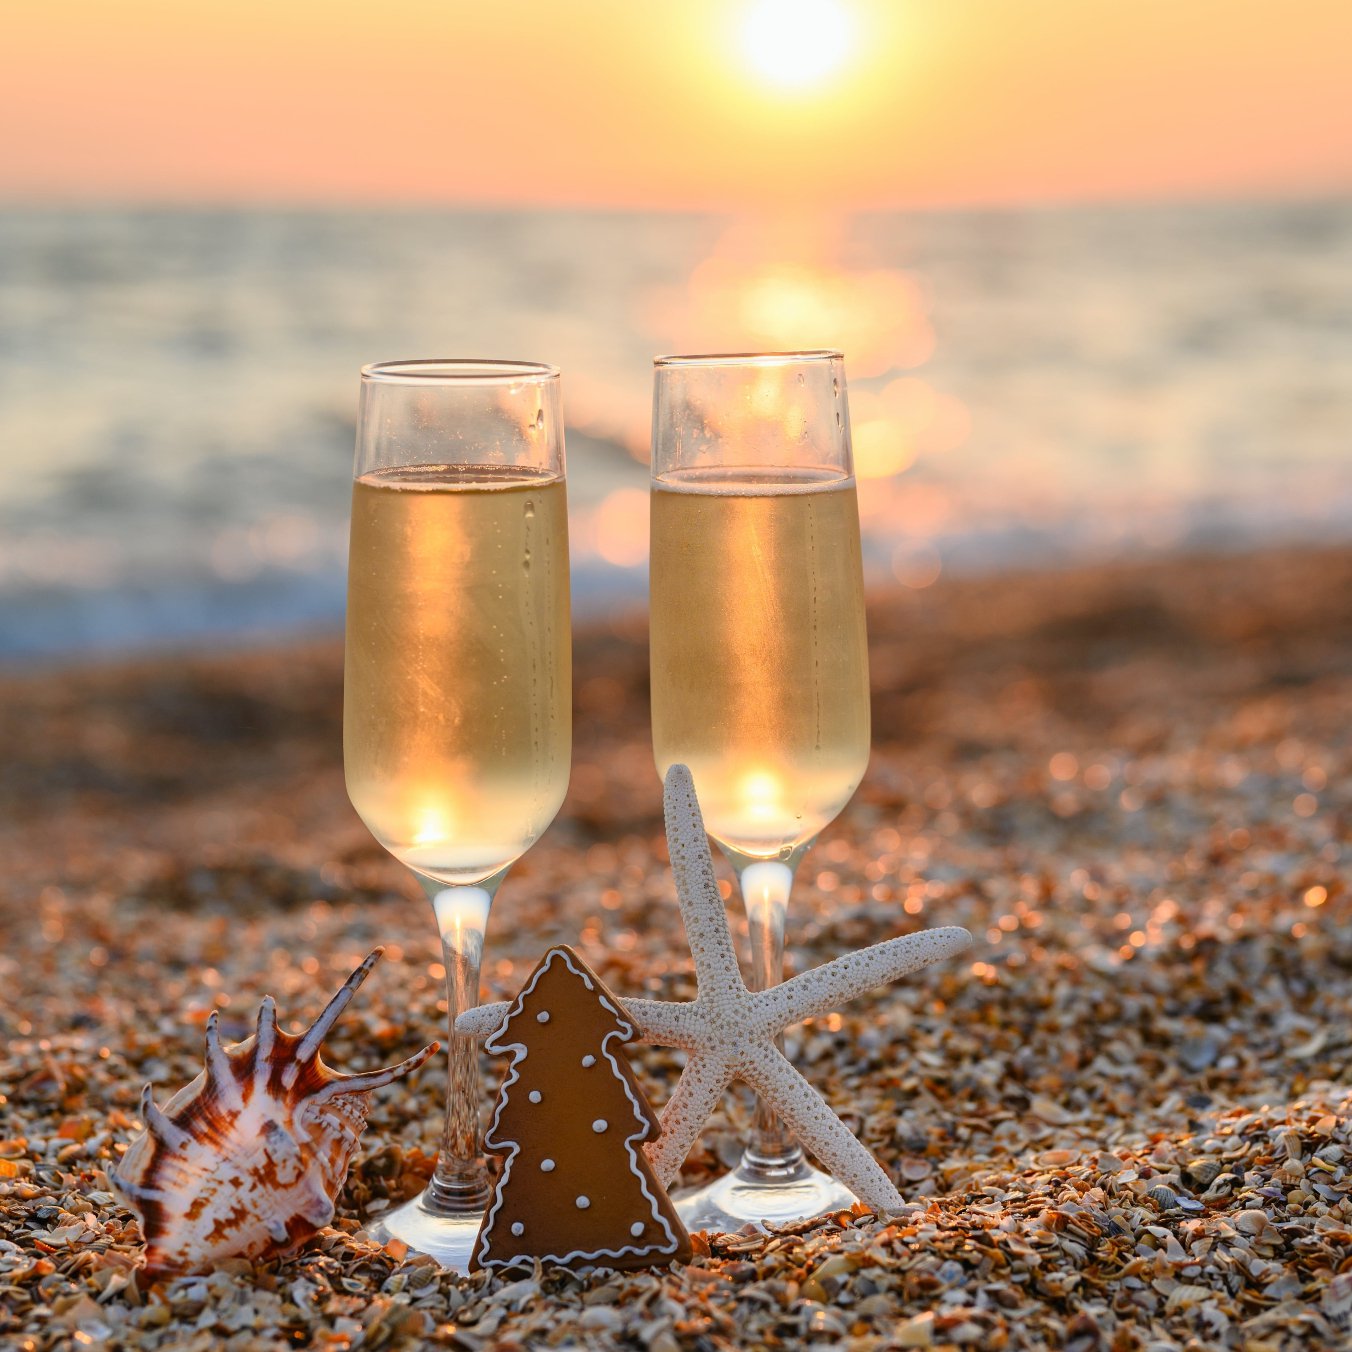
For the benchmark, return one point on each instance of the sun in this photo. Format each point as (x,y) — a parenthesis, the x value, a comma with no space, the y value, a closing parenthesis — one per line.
(796,43)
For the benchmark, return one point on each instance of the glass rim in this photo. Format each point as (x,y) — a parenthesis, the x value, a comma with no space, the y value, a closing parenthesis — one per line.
(459,370)
(802,358)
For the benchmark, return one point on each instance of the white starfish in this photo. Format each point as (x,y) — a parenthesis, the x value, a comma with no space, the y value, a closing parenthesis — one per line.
(729,1031)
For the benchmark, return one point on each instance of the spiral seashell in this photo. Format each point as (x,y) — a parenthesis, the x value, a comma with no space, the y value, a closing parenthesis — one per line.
(245,1162)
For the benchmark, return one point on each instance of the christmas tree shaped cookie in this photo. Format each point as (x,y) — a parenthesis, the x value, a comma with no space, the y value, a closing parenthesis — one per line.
(571,1123)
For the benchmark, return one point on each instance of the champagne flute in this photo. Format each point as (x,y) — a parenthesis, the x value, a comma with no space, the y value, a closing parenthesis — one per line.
(759,664)
(457,723)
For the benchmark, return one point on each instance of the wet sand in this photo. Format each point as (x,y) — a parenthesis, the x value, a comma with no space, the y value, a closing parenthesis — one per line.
(1121,1120)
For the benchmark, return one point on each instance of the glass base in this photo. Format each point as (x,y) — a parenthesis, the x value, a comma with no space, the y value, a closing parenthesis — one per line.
(762,1197)
(448,1239)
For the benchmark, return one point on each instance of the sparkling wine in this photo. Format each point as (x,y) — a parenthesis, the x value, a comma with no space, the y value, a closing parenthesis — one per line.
(457,720)
(759,654)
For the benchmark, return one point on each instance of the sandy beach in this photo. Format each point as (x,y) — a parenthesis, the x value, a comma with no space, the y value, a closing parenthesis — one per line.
(1120,1121)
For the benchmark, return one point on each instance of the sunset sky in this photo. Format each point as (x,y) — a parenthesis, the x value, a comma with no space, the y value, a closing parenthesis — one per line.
(721,103)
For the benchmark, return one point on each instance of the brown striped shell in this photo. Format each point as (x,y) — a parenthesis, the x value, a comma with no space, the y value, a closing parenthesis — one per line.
(245,1162)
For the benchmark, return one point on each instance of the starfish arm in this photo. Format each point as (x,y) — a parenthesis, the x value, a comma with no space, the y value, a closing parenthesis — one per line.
(483,1020)
(835,1146)
(826,988)
(706,922)
(697,1093)
(665,1022)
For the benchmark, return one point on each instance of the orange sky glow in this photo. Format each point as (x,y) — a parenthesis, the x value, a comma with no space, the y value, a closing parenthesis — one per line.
(674,103)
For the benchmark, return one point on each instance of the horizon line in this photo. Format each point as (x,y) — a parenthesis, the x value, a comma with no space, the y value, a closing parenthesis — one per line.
(1218,196)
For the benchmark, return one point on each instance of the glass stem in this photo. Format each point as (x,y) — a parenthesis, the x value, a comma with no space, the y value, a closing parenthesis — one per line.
(461,1182)
(772,1150)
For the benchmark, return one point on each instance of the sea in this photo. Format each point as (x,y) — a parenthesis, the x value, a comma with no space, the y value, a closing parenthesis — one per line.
(1028,388)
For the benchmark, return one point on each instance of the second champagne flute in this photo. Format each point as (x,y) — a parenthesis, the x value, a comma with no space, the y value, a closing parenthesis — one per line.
(759,663)
(457,729)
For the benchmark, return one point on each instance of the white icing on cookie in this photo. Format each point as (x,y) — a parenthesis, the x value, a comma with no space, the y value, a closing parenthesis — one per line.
(588,1061)
(535,1096)
(600,1125)
(542,1016)
(583,1203)
(518,1229)
(546,1166)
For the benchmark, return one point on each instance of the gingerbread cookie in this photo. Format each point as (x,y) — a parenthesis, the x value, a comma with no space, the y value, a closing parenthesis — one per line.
(576,1188)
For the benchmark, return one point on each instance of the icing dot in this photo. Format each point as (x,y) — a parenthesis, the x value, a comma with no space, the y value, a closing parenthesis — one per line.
(588,1060)
(542,1016)
(600,1124)
(518,1228)
(636,1229)
(535,1096)
(546,1166)
(583,1203)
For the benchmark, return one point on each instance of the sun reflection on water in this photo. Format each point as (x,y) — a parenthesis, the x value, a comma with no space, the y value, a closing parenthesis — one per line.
(785,285)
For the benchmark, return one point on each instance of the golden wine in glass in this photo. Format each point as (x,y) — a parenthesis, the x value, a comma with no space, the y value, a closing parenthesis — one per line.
(457,687)
(759,662)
